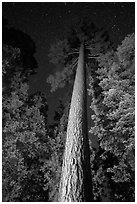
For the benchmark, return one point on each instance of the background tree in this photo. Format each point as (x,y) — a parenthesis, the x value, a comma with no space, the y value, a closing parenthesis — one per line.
(114,123)
(18,39)
(52,166)
(25,133)
(25,145)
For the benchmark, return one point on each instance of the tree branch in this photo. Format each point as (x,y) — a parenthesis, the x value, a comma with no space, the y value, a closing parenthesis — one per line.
(71,53)
(93,56)
(73,64)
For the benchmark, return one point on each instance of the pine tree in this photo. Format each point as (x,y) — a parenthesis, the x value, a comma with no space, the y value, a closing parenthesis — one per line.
(76,184)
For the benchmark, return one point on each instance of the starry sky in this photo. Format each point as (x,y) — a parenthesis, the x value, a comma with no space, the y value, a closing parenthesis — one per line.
(47,21)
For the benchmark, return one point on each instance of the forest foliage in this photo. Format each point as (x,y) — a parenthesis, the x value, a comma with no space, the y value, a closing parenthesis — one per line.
(114,121)
(33,149)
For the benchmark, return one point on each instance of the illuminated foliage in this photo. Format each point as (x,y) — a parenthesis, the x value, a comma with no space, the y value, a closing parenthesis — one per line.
(114,121)
(24,139)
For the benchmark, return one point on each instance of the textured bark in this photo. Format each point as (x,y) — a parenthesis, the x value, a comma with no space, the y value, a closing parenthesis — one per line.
(75,184)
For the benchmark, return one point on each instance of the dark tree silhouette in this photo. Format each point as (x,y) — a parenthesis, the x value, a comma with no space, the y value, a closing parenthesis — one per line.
(19,39)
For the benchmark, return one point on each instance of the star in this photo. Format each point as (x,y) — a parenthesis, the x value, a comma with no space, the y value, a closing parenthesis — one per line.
(122,5)
(113,27)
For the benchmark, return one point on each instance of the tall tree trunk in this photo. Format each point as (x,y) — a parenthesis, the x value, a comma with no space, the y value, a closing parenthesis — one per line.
(75,184)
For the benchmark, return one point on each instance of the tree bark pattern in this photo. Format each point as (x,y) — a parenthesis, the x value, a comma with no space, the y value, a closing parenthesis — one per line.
(75,184)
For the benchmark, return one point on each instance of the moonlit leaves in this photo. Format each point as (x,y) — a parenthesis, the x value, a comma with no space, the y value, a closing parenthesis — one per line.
(61,54)
(115,121)
(126,51)
(59,79)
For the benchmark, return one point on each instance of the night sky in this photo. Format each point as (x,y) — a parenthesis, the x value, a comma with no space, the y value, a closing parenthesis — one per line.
(45,22)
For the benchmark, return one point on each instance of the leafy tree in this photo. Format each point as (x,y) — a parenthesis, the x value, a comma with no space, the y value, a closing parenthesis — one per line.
(10,64)
(76,184)
(25,145)
(25,134)
(114,123)
(52,166)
